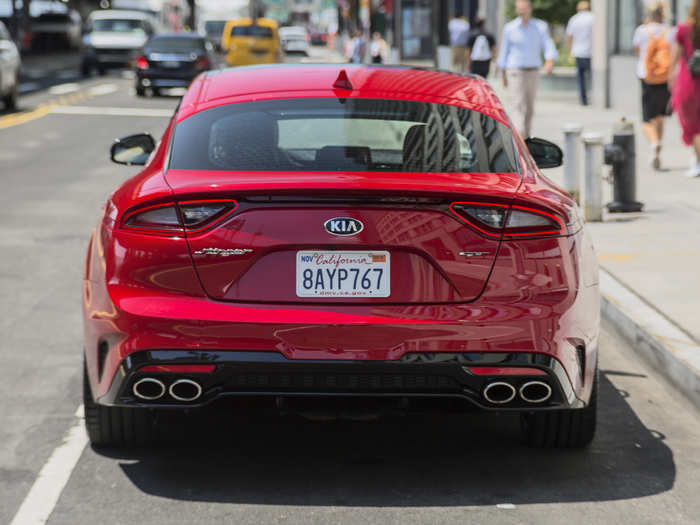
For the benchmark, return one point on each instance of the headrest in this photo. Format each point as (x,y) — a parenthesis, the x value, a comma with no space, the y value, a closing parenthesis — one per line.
(245,141)
(413,148)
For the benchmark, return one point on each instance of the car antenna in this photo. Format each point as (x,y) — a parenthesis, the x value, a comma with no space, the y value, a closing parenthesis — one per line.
(343,82)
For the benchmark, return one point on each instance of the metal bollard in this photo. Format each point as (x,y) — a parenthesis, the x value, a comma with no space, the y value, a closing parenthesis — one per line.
(593,161)
(572,139)
(622,157)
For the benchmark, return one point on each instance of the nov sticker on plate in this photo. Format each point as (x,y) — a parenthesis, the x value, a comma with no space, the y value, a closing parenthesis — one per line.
(343,274)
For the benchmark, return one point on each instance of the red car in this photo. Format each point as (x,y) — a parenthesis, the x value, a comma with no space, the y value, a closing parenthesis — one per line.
(376,238)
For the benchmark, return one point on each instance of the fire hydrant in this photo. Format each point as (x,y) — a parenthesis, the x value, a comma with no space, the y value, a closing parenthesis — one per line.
(622,157)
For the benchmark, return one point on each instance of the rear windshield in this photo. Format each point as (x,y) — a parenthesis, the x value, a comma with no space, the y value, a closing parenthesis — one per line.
(174,44)
(331,134)
(214,27)
(254,31)
(120,26)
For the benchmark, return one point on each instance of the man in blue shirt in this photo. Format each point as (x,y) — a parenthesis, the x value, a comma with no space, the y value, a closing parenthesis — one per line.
(524,41)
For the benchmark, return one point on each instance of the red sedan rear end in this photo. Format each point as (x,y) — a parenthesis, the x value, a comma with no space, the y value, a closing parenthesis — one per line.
(306,233)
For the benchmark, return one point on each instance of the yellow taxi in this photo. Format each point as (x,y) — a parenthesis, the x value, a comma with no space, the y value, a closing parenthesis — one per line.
(246,41)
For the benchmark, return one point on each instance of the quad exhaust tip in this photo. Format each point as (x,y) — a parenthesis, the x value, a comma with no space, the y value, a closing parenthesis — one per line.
(535,392)
(499,393)
(185,390)
(149,388)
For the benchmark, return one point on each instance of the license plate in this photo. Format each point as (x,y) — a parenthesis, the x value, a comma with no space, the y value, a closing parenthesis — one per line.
(171,63)
(343,274)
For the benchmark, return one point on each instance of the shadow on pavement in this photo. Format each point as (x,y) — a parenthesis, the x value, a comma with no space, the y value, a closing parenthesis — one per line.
(413,461)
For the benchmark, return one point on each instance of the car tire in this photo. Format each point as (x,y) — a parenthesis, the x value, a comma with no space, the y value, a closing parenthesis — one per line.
(140,92)
(101,71)
(573,428)
(116,426)
(86,69)
(10,100)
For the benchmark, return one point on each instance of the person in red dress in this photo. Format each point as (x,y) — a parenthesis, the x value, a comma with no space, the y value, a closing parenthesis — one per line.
(685,87)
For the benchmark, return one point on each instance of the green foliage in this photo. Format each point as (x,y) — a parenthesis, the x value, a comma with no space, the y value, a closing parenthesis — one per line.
(552,11)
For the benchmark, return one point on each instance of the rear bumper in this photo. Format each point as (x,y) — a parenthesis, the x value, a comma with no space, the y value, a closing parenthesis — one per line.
(165,78)
(461,376)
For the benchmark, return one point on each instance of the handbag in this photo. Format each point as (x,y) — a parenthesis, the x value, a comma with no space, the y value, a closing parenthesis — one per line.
(694,63)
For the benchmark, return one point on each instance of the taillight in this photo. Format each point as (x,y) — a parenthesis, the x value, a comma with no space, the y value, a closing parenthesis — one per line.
(142,63)
(190,217)
(511,221)
(202,63)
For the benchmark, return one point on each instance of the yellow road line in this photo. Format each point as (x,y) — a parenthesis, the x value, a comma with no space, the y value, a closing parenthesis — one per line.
(41,110)
(25,116)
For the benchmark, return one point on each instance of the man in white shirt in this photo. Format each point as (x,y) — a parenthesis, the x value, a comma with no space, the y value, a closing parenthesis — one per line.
(579,37)
(458,28)
(525,40)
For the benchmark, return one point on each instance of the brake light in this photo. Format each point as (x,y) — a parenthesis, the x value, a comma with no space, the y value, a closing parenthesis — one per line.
(511,221)
(202,63)
(142,63)
(190,217)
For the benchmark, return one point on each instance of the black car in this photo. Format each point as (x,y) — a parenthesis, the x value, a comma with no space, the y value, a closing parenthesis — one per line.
(172,60)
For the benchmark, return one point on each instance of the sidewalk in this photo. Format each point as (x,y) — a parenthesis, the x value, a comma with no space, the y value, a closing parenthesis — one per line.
(654,254)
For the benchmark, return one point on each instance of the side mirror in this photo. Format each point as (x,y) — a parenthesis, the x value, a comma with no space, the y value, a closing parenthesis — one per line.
(545,154)
(133,150)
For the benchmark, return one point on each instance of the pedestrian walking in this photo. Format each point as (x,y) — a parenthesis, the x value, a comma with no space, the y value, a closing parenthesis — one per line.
(525,40)
(652,43)
(458,28)
(685,82)
(579,38)
(357,48)
(378,49)
(481,46)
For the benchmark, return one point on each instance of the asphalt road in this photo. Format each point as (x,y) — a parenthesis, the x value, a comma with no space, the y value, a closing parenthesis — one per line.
(643,466)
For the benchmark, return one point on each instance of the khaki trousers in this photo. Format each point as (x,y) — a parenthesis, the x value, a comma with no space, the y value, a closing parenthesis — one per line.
(522,84)
(459,59)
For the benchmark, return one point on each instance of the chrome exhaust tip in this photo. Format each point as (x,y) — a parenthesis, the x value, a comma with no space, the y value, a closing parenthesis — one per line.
(185,390)
(148,388)
(535,392)
(499,393)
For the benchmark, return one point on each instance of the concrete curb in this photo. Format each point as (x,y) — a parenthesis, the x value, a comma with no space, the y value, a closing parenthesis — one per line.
(657,339)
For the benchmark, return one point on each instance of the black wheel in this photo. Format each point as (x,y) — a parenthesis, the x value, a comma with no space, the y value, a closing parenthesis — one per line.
(140,92)
(10,100)
(155,92)
(101,71)
(116,426)
(562,428)
(86,68)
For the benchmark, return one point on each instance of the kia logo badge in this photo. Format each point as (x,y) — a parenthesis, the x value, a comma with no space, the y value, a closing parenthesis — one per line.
(343,226)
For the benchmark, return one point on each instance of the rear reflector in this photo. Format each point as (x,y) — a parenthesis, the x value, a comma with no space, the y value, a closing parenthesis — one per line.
(505,371)
(179,369)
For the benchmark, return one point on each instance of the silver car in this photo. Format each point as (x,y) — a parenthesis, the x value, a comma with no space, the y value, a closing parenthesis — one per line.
(9,69)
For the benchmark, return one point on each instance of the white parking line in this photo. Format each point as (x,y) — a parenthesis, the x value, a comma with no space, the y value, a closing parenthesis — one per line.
(112,111)
(64,89)
(103,89)
(43,496)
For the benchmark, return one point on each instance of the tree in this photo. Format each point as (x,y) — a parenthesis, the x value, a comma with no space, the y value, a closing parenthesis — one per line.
(552,11)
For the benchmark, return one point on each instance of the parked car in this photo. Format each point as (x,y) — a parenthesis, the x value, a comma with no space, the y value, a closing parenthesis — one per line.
(318,37)
(310,233)
(9,69)
(172,60)
(246,42)
(294,39)
(57,28)
(115,38)
(213,29)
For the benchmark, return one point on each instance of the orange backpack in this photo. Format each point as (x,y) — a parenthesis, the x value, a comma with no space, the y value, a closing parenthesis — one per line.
(658,60)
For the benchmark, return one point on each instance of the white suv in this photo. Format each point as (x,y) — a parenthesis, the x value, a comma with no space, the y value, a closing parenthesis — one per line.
(114,38)
(9,69)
